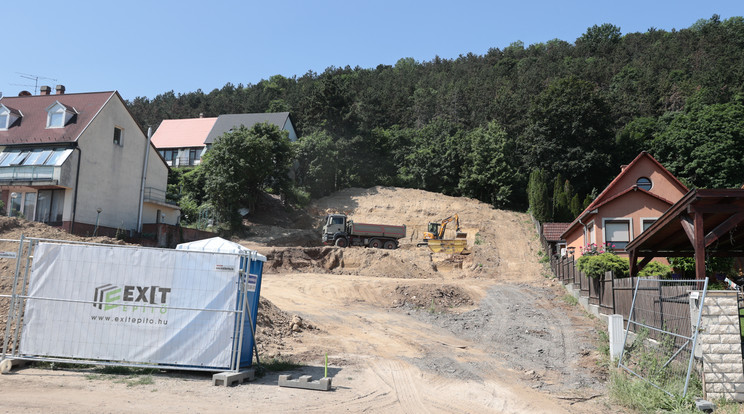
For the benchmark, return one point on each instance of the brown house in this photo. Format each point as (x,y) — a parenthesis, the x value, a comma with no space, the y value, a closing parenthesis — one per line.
(639,195)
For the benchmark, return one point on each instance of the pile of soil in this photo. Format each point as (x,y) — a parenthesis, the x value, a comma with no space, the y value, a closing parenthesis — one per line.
(274,327)
(432,298)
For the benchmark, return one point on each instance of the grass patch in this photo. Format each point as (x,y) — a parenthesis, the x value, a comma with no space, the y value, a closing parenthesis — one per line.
(637,394)
(478,240)
(570,299)
(278,365)
(130,376)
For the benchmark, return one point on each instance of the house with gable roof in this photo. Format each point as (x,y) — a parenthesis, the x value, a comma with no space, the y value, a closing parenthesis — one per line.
(639,195)
(78,161)
(183,142)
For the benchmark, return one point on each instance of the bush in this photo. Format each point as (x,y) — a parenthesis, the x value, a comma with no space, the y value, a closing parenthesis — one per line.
(656,269)
(597,265)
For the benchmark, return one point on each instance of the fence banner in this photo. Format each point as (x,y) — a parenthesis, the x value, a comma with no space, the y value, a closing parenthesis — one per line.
(135,318)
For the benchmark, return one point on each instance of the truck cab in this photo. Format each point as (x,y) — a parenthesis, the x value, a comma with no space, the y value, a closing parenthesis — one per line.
(334,224)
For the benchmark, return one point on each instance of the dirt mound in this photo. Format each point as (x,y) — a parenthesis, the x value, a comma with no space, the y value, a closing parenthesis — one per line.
(274,327)
(404,263)
(433,298)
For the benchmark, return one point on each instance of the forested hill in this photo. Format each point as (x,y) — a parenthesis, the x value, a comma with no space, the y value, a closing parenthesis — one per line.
(479,124)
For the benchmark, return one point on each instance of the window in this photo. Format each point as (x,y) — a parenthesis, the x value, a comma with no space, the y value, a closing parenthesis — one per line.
(118,136)
(59,115)
(29,205)
(646,223)
(617,233)
(56,119)
(8,117)
(644,183)
(192,156)
(49,206)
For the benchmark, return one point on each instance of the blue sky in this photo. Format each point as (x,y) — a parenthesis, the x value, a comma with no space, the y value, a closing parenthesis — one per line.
(144,48)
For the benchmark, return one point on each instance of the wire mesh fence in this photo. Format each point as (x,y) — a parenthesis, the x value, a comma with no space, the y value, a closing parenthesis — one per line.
(126,305)
(660,336)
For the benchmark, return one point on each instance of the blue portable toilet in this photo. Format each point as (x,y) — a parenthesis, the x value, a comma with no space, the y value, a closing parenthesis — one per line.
(252,266)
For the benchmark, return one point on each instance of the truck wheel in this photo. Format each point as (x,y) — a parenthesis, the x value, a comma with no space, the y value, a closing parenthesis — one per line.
(375,244)
(342,242)
(390,245)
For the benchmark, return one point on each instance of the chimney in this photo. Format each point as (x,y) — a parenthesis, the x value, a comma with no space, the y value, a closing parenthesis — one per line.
(60,89)
(201,114)
(45,90)
(623,167)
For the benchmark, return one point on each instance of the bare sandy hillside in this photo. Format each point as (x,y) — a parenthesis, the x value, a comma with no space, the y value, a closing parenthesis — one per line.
(405,330)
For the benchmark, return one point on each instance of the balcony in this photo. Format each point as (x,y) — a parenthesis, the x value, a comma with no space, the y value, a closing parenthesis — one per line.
(155,195)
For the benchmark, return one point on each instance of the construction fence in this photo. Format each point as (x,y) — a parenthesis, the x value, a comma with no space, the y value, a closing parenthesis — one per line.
(87,303)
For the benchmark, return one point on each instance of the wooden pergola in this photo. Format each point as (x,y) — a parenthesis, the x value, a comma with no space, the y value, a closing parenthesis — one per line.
(705,222)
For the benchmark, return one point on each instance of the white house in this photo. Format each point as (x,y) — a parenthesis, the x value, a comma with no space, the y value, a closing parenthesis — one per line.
(182,142)
(77,161)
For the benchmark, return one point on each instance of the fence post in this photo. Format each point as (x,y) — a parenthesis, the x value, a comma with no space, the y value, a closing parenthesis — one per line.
(612,286)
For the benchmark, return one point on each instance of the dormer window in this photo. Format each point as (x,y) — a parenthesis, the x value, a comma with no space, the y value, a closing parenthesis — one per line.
(8,117)
(59,115)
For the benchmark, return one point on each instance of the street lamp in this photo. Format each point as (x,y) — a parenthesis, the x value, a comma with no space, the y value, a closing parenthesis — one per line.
(99,210)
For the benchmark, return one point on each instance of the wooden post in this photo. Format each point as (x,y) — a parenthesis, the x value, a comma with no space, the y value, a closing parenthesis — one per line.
(699,245)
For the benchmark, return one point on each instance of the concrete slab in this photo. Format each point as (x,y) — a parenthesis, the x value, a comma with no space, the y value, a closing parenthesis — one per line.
(306,382)
(230,378)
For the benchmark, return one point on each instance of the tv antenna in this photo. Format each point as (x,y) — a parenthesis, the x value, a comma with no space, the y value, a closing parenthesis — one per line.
(34,78)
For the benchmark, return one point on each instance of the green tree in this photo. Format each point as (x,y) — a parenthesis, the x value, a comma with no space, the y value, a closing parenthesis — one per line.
(490,172)
(242,163)
(570,133)
(704,146)
(317,156)
(537,192)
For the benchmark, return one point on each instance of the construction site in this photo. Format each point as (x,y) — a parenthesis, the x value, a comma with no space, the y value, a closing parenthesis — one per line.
(473,322)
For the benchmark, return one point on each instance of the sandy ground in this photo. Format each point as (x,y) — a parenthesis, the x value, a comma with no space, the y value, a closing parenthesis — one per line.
(405,330)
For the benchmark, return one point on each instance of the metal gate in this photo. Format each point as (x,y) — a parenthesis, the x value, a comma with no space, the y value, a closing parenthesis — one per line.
(661,333)
(26,311)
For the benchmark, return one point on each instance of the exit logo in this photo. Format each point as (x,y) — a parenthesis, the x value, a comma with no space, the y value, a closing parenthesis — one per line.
(106,295)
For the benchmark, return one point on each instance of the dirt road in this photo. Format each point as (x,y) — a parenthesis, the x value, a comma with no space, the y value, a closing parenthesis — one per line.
(405,331)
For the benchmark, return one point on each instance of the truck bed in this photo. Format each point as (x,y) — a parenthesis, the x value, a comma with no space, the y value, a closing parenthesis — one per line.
(378,230)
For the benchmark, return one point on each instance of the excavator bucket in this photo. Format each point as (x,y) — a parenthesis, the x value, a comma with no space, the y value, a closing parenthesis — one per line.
(456,246)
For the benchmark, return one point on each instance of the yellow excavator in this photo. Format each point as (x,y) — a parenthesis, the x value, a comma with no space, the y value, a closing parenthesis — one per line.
(434,237)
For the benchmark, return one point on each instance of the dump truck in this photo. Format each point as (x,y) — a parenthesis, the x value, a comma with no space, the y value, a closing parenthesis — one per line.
(339,231)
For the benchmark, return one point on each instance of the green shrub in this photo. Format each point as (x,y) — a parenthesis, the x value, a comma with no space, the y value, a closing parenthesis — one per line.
(597,265)
(656,269)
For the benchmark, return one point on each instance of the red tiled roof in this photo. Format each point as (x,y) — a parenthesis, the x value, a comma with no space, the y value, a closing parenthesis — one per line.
(600,200)
(553,231)
(31,128)
(182,133)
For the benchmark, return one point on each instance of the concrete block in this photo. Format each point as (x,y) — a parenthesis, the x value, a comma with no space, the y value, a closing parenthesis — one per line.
(728,377)
(724,302)
(712,311)
(709,358)
(731,358)
(709,339)
(738,397)
(718,329)
(229,378)
(731,339)
(305,382)
(728,319)
(724,349)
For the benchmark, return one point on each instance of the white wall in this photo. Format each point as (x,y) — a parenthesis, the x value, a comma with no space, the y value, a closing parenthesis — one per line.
(111,175)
